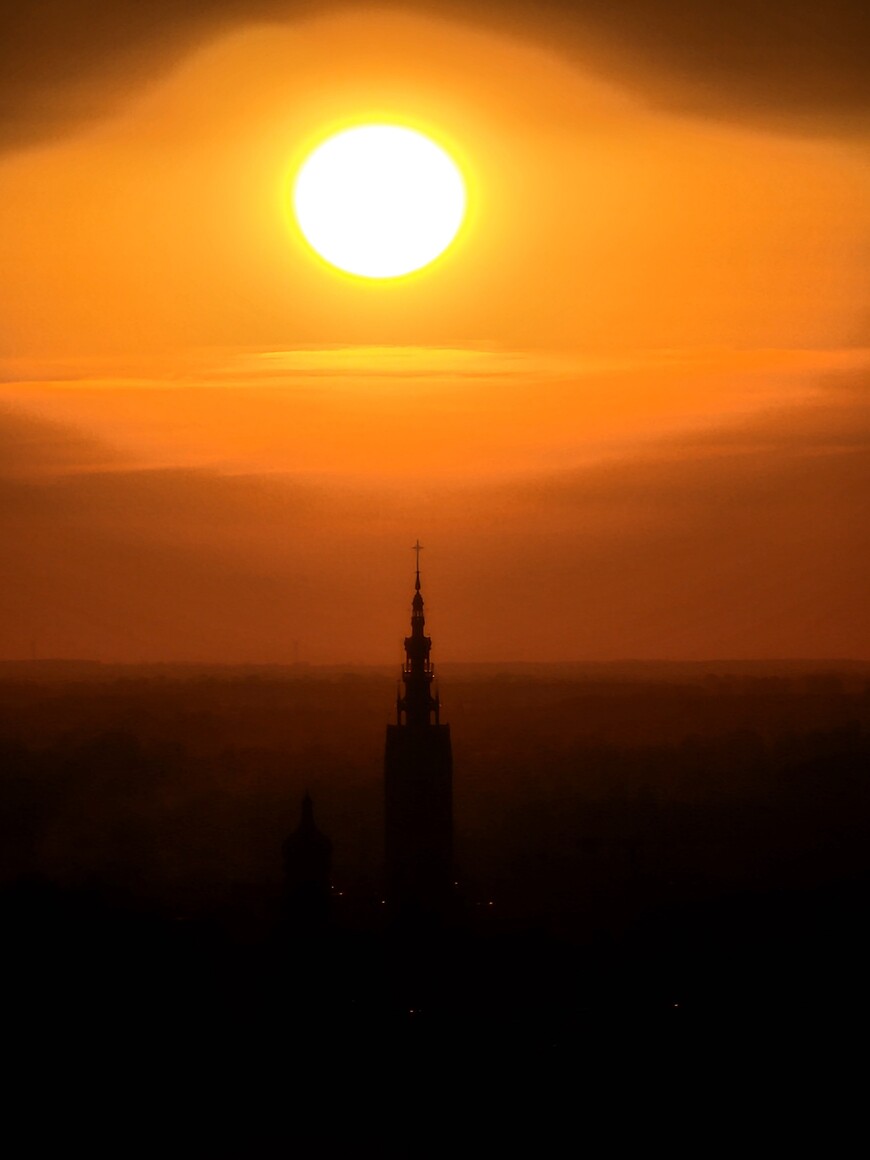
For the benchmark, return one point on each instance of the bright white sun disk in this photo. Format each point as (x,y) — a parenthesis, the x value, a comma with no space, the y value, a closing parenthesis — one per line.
(379,200)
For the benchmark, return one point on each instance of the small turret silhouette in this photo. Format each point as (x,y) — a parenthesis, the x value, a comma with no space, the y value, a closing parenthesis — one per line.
(307,873)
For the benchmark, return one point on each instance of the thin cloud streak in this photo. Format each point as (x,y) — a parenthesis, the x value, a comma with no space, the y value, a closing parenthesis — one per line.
(750,541)
(486,414)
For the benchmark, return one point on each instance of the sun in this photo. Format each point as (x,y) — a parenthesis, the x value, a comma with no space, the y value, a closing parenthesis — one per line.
(379,201)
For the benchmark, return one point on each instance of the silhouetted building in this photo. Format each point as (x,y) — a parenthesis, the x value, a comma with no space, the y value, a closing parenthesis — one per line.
(307,870)
(418,789)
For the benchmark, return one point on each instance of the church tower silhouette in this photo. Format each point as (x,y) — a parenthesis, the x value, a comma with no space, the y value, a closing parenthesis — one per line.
(307,867)
(418,787)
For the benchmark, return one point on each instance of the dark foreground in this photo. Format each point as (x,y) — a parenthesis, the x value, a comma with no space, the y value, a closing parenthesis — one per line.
(662,897)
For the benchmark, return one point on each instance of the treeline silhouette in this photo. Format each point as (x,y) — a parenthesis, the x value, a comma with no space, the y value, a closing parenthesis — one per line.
(627,849)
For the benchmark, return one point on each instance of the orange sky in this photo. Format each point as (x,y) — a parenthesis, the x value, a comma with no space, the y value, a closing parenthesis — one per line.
(627,414)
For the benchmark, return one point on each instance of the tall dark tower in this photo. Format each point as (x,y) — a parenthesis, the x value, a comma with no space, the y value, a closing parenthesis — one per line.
(418,786)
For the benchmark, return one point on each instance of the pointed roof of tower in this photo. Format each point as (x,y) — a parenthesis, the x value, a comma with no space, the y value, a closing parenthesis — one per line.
(417,602)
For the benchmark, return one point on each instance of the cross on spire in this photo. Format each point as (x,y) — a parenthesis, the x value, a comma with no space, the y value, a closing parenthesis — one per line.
(418,548)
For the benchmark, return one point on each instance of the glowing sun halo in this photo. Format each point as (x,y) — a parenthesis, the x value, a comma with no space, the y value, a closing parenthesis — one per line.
(379,201)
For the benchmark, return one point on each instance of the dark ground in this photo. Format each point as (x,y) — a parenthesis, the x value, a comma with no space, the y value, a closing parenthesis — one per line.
(653,867)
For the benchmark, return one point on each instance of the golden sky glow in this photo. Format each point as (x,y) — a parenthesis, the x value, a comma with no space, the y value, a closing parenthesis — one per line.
(650,325)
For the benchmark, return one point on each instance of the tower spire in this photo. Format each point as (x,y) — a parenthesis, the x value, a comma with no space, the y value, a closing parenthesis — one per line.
(418,780)
(417,704)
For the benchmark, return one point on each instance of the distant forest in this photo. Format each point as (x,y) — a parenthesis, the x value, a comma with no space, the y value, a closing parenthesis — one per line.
(578,799)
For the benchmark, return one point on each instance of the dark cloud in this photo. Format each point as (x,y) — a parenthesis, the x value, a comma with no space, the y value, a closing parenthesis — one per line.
(749,542)
(33,446)
(64,62)
(790,64)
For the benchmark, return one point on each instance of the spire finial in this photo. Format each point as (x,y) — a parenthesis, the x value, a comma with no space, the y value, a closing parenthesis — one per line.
(418,548)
